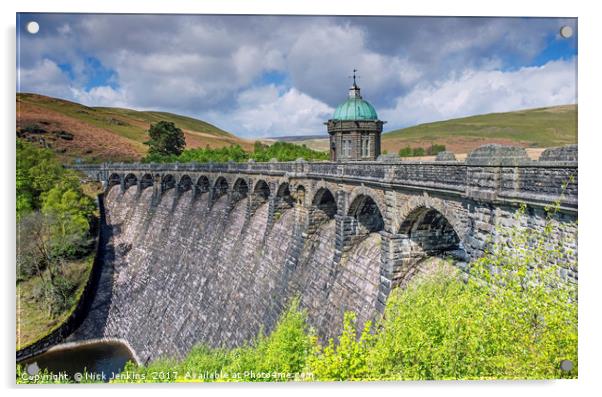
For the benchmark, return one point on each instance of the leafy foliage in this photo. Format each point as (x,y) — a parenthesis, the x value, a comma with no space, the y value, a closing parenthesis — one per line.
(281,151)
(432,150)
(345,360)
(165,139)
(53,216)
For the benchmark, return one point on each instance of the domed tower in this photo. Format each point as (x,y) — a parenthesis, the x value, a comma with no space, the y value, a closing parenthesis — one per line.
(354,129)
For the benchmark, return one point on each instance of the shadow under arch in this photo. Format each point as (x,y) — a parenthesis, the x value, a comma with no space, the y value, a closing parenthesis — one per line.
(130,180)
(369,218)
(185,184)
(114,179)
(146,181)
(220,188)
(284,197)
(167,182)
(428,234)
(240,190)
(203,185)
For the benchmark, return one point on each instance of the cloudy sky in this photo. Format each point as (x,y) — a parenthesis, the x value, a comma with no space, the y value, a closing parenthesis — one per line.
(272,75)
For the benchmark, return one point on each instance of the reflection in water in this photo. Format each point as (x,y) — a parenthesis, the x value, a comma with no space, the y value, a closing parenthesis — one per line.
(100,358)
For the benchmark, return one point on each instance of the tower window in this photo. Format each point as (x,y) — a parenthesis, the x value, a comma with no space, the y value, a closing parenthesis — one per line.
(346,147)
(365,145)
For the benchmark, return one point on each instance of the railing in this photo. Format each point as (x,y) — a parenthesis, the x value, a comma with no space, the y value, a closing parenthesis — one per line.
(530,181)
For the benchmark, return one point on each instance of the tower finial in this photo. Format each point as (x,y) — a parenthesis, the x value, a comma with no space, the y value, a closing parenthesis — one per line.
(354,70)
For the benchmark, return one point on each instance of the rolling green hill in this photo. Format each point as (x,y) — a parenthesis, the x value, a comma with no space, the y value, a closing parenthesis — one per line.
(537,128)
(103,133)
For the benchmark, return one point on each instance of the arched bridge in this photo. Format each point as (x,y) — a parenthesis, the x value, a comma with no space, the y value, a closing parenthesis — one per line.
(419,208)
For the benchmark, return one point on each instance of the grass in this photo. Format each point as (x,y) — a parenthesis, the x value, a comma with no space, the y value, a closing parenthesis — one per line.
(542,127)
(33,322)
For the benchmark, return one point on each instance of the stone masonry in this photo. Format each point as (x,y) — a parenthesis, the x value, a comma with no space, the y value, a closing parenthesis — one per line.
(339,235)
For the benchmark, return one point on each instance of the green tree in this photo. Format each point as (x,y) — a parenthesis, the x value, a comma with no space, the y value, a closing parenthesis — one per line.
(405,152)
(165,139)
(37,171)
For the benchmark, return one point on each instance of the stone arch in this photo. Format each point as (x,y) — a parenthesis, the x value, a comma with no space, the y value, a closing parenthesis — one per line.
(220,187)
(367,213)
(425,231)
(203,184)
(430,233)
(261,194)
(414,205)
(130,180)
(240,190)
(375,195)
(185,184)
(262,190)
(114,179)
(324,203)
(284,196)
(146,181)
(168,181)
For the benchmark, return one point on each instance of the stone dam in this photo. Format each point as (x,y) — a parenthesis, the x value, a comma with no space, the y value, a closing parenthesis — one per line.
(214,253)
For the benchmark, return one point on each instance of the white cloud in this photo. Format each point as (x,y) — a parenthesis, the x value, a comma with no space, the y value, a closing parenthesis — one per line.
(486,91)
(43,77)
(411,69)
(101,96)
(272,110)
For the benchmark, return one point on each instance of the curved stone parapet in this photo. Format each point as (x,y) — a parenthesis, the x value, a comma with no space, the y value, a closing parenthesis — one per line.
(495,154)
(445,156)
(562,153)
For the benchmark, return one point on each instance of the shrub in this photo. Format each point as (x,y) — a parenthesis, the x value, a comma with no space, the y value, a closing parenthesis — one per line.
(405,152)
(346,360)
(435,149)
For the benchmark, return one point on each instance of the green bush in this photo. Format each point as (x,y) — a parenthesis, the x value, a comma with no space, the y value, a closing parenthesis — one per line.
(346,360)
(435,149)
(281,151)
(405,152)
(432,150)
(418,152)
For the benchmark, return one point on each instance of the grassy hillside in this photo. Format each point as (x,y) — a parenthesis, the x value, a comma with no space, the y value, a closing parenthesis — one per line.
(543,127)
(100,133)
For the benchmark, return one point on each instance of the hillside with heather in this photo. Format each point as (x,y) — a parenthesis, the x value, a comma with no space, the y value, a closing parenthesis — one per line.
(95,134)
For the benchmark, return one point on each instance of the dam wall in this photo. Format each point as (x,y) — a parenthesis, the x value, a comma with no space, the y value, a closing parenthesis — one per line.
(214,253)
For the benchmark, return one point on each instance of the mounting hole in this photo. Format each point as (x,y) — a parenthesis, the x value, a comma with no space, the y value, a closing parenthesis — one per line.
(32,27)
(566,365)
(566,32)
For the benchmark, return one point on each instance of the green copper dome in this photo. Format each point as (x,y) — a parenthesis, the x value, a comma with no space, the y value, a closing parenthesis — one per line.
(355,108)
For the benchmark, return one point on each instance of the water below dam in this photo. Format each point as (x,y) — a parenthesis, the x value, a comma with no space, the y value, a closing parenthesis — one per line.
(98,358)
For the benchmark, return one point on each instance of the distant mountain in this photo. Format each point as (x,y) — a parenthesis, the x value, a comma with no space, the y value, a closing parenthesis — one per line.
(294,138)
(97,134)
(535,128)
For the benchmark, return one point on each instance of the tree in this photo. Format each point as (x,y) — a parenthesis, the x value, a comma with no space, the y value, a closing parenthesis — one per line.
(165,139)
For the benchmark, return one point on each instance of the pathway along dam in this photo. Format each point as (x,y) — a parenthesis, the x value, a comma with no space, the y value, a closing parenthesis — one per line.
(213,253)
